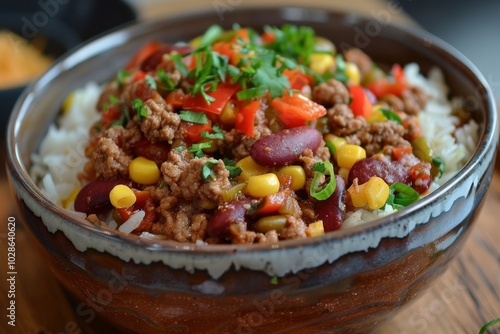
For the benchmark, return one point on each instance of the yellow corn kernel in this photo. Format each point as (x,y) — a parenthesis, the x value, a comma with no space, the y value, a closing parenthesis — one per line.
(144,171)
(347,155)
(122,196)
(377,115)
(250,168)
(376,192)
(68,102)
(269,223)
(344,173)
(336,141)
(229,112)
(263,185)
(320,63)
(352,72)
(297,174)
(195,42)
(358,197)
(71,198)
(315,229)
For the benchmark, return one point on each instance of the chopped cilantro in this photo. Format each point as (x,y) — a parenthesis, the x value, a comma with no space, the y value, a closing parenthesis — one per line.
(151,81)
(165,79)
(193,117)
(142,111)
(121,76)
(234,171)
(197,149)
(216,135)
(274,280)
(440,165)
(207,172)
(391,115)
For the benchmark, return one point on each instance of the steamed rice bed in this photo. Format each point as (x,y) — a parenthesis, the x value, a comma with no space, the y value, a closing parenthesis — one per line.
(203,111)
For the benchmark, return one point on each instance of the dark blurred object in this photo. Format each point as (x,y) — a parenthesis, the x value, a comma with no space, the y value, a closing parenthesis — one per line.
(63,24)
(471,27)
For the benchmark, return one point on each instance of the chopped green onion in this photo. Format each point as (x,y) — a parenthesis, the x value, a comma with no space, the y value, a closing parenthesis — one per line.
(322,193)
(440,165)
(391,115)
(138,105)
(193,117)
(404,195)
(331,147)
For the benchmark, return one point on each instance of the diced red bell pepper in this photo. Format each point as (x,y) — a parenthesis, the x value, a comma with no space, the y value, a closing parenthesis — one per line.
(109,116)
(360,102)
(143,53)
(193,132)
(398,152)
(221,95)
(274,202)
(298,79)
(176,98)
(385,86)
(295,109)
(245,119)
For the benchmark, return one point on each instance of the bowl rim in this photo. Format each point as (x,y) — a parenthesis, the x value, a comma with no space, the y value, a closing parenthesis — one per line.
(17,170)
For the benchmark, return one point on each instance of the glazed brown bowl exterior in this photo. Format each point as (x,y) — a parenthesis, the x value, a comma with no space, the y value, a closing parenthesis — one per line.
(348,281)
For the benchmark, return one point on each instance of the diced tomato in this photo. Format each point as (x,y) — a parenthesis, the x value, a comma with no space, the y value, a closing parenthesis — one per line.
(298,79)
(143,53)
(139,75)
(158,152)
(295,109)
(242,34)
(398,152)
(421,177)
(109,116)
(245,119)
(221,95)
(193,132)
(224,49)
(385,86)
(360,102)
(274,202)
(176,98)
(143,202)
(268,37)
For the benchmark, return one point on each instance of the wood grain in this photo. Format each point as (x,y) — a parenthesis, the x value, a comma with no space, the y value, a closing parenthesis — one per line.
(461,301)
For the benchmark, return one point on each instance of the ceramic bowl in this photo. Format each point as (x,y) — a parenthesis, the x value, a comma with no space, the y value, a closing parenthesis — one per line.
(349,281)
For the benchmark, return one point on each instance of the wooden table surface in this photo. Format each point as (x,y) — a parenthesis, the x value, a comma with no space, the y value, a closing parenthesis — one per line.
(460,301)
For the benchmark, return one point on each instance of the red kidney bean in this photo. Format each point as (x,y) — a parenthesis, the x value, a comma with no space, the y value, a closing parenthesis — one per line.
(332,210)
(230,213)
(389,171)
(158,152)
(94,196)
(284,147)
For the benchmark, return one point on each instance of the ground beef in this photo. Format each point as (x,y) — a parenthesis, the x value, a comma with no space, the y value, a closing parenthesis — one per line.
(414,99)
(294,228)
(330,93)
(342,121)
(360,59)
(381,134)
(181,227)
(210,191)
(161,123)
(110,160)
(393,102)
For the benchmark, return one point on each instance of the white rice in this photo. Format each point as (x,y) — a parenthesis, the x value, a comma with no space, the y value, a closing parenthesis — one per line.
(61,155)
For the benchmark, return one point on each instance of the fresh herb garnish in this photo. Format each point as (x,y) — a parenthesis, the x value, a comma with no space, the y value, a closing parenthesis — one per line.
(323,192)
(193,117)
(216,135)
(440,165)
(391,115)
(124,118)
(274,280)
(142,111)
(340,74)
(206,171)
(234,171)
(197,149)
(165,79)
(121,76)
(150,81)
(162,185)
(211,35)
(113,99)
(331,146)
